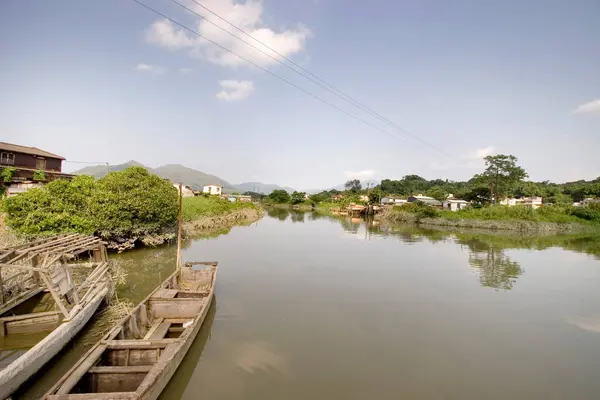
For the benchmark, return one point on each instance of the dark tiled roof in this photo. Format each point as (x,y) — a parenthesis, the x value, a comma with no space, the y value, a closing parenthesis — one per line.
(28,150)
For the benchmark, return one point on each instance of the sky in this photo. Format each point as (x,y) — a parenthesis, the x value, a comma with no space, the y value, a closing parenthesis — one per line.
(111,81)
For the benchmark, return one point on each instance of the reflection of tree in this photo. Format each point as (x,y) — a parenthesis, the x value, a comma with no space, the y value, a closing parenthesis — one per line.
(495,268)
(279,213)
(297,216)
(348,225)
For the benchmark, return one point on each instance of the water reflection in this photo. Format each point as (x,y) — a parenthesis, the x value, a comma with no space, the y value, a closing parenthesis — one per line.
(486,249)
(298,216)
(496,269)
(279,213)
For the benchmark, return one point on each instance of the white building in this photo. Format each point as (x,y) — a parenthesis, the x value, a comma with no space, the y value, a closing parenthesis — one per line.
(586,202)
(391,200)
(533,202)
(212,189)
(185,190)
(454,204)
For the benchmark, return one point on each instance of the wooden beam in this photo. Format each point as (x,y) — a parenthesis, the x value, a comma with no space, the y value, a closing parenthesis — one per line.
(19,266)
(20,299)
(81,369)
(55,295)
(135,369)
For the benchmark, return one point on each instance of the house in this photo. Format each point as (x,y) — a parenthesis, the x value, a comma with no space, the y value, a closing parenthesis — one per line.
(419,198)
(27,160)
(212,189)
(453,204)
(364,198)
(186,191)
(337,197)
(533,202)
(238,197)
(28,167)
(586,202)
(392,200)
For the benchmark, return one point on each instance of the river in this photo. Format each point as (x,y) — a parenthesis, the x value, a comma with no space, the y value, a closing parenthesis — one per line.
(314,306)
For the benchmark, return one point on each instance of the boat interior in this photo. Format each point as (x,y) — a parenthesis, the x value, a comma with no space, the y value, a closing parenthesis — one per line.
(148,338)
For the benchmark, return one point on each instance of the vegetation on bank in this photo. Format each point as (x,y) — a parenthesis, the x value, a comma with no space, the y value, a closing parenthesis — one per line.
(122,208)
(549,218)
(194,208)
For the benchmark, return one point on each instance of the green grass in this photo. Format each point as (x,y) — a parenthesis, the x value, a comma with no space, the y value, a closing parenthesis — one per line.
(555,214)
(197,207)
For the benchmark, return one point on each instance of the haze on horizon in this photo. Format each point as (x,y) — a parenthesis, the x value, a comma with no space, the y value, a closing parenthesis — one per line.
(111,82)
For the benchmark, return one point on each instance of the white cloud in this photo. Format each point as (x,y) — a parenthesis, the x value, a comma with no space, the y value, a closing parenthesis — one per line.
(185,71)
(235,90)
(247,16)
(150,68)
(362,175)
(144,67)
(592,107)
(478,154)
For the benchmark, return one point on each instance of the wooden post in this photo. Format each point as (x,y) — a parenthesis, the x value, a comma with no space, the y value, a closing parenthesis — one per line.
(179,228)
(1,288)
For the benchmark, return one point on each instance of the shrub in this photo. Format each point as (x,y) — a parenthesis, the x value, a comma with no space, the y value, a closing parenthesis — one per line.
(39,176)
(133,203)
(7,174)
(60,206)
(586,213)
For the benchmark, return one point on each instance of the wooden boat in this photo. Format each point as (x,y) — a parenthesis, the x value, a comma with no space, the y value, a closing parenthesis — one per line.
(36,268)
(138,357)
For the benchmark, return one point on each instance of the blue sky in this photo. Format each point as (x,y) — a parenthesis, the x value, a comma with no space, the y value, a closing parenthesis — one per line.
(110,81)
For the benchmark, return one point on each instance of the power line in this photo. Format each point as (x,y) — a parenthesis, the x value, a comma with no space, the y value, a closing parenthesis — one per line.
(309,75)
(267,71)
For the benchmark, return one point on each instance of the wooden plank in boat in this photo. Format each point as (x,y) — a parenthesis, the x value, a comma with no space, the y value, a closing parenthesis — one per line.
(160,331)
(165,293)
(137,369)
(153,328)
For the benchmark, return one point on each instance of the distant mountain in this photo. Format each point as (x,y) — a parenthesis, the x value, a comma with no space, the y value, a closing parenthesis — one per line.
(371,183)
(192,177)
(99,171)
(259,187)
(172,172)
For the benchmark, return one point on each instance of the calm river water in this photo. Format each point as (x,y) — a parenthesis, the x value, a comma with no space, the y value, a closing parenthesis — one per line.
(310,306)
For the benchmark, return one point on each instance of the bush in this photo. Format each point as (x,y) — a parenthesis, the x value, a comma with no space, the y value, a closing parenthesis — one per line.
(122,205)
(39,176)
(587,213)
(7,174)
(133,203)
(60,206)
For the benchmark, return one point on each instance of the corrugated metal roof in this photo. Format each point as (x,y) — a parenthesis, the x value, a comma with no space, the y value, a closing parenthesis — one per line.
(28,150)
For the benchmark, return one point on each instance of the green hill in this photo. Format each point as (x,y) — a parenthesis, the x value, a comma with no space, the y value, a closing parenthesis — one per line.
(172,172)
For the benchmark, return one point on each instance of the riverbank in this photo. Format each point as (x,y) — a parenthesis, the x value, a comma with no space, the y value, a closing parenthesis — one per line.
(201,216)
(205,224)
(548,221)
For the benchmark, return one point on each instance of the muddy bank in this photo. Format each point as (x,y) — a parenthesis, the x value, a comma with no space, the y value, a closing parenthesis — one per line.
(211,223)
(545,228)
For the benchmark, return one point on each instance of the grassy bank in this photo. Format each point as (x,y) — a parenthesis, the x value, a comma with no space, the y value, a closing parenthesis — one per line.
(550,219)
(202,215)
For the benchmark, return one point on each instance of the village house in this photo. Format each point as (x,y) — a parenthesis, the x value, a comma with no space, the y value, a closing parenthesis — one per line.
(212,189)
(392,200)
(186,191)
(238,197)
(32,167)
(453,204)
(364,198)
(419,198)
(587,201)
(533,202)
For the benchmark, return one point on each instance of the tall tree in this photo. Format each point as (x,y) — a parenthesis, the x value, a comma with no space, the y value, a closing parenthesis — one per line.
(353,185)
(280,196)
(501,174)
(298,197)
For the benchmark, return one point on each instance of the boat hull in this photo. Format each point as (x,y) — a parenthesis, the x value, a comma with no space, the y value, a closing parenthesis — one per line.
(29,363)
